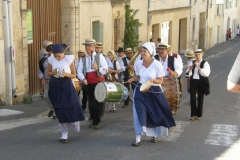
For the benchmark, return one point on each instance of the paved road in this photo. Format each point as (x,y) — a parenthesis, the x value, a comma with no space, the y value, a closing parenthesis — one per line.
(35,137)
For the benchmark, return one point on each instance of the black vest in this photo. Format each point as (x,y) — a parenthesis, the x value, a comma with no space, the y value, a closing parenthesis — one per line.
(125,73)
(204,80)
(170,61)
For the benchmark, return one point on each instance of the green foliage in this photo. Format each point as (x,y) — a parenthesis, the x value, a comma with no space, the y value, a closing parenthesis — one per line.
(27,100)
(2,103)
(131,38)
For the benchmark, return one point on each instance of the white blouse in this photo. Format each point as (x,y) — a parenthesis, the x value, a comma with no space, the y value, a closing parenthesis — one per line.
(62,64)
(154,71)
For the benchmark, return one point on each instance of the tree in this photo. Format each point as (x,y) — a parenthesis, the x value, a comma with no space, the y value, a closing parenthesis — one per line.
(131,37)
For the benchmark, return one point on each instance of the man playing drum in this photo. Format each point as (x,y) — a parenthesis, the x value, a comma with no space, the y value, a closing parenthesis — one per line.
(171,66)
(90,74)
(98,49)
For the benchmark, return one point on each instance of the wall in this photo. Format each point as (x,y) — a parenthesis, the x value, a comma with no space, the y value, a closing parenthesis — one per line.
(91,11)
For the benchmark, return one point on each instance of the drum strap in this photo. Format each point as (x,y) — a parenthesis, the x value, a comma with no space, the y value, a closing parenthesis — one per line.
(97,60)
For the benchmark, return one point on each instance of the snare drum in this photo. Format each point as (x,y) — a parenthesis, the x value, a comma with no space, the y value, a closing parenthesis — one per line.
(110,92)
(171,89)
(76,84)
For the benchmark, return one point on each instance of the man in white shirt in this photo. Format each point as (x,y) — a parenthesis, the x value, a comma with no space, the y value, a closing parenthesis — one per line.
(168,61)
(199,84)
(90,74)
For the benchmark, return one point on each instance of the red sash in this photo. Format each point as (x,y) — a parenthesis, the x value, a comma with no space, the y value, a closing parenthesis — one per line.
(92,78)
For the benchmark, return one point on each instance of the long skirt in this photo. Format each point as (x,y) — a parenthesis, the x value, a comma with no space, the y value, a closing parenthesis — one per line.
(65,101)
(151,112)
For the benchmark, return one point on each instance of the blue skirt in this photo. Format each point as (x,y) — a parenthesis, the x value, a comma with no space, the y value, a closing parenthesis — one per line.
(65,101)
(152,108)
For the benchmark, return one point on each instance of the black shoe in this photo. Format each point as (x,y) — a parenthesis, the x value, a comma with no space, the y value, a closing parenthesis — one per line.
(63,140)
(54,117)
(154,140)
(136,143)
(124,106)
(50,114)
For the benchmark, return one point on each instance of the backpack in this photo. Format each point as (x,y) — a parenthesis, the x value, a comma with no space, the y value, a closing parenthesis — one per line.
(41,63)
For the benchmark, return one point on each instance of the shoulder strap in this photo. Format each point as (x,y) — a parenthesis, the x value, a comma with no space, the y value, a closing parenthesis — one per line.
(84,66)
(175,55)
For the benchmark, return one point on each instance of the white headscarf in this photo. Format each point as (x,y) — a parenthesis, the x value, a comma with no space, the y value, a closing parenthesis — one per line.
(150,47)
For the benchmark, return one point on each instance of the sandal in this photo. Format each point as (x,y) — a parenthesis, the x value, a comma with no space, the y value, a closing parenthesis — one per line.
(63,140)
(154,140)
(136,143)
(199,118)
(193,118)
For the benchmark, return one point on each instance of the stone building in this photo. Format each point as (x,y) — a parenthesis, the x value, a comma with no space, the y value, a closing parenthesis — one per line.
(170,21)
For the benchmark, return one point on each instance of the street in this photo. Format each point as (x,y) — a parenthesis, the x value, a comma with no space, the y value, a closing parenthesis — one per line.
(36,138)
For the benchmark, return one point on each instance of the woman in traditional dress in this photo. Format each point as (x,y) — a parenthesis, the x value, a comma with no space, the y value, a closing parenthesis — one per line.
(151,112)
(116,70)
(62,93)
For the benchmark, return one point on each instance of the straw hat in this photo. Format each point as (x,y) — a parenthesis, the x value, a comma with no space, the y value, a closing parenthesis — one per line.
(99,44)
(89,42)
(198,51)
(189,53)
(127,50)
(162,45)
(81,52)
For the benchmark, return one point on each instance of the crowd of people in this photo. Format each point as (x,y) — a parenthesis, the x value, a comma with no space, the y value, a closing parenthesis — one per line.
(152,62)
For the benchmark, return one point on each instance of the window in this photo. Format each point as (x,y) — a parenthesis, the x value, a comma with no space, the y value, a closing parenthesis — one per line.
(228,4)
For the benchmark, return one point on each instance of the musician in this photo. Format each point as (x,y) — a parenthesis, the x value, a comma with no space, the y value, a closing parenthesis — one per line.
(233,82)
(62,93)
(43,75)
(199,83)
(191,57)
(168,61)
(151,111)
(178,57)
(125,67)
(119,57)
(41,55)
(83,88)
(98,49)
(116,70)
(91,74)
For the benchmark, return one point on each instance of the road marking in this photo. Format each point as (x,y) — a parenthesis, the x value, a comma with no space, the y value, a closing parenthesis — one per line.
(222,135)
(9,112)
(231,153)
(21,122)
(175,132)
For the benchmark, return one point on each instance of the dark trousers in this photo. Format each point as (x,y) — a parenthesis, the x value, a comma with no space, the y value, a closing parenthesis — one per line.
(102,109)
(93,104)
(127,85)
(196,107)
(84,98)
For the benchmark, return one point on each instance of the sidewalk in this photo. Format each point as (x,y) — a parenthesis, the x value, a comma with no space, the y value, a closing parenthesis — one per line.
(22,111)
(39,106)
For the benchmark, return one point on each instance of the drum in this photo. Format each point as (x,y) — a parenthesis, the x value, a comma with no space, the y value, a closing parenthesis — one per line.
(76,84)
(110,92)
(145,86)
(171,89)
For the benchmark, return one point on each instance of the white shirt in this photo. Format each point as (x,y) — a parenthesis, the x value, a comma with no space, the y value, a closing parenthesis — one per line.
(123,68)
(63,64)
(119,59)
(76,63)
(103,69)
(177,66)
(118,67)
(154,71)
(205,71)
